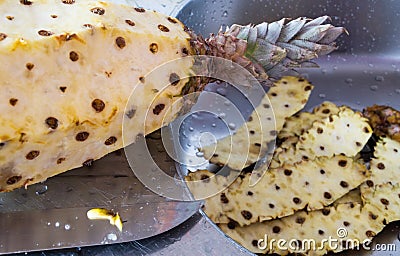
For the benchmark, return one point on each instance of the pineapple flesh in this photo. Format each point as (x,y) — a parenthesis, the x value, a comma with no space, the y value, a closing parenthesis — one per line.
(68,69)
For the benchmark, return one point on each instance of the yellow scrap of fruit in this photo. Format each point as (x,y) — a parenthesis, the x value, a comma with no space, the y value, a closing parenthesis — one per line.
(104,214)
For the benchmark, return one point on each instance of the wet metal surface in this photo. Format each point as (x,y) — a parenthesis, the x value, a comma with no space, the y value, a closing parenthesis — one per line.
(52,215)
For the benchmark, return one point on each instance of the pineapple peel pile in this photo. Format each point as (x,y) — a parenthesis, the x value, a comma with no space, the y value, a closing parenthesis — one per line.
(317,186)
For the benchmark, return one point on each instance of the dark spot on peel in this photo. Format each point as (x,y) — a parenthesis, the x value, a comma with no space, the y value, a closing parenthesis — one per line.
(110,141)
(172,20)
(25,2)
(224,199)
(82,136)
(232,224)
(370,234)
(139,9)
(130,23)
(276,229)
(381,166)
(14,179)
(29,66)
(120,42)
(98,105)
(98,10)
(153,48)
(45,33)
(327,195)
(342,163)
(52,122)
(326,211)
(158,109)
(74,56)
(300,220)
(2,36)
(296,200)
(344,184)
(60,160)
(32,155)
(13,101)
(288,172)
(384,201)
(205,178)
(163,28)
(246,215)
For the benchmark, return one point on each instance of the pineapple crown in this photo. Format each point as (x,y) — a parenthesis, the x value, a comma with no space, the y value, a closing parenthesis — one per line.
(268,50)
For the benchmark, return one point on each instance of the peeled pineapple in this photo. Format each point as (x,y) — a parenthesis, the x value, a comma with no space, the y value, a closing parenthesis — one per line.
(69,67)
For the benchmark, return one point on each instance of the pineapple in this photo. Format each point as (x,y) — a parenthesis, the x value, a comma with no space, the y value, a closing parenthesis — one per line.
(68,68)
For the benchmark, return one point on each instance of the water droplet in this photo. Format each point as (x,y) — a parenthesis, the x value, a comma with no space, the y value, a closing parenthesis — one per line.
(57,224)
(374,87)
(397,91)
(48,223)
(225,14)
(189,145)
(112,237)
(232,126)
(227,103)
(199,154)
(214,125)
(349,81)
(379,78)
(322,95)
(222,115)
(41,190)
(371,65)
(222,91)
(67,227)
(191,129)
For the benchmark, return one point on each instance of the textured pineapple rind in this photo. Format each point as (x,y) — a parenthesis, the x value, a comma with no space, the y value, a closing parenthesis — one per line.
(67,73)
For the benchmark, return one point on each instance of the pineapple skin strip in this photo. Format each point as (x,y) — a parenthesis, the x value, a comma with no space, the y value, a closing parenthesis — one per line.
(280,192)
(347,224)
